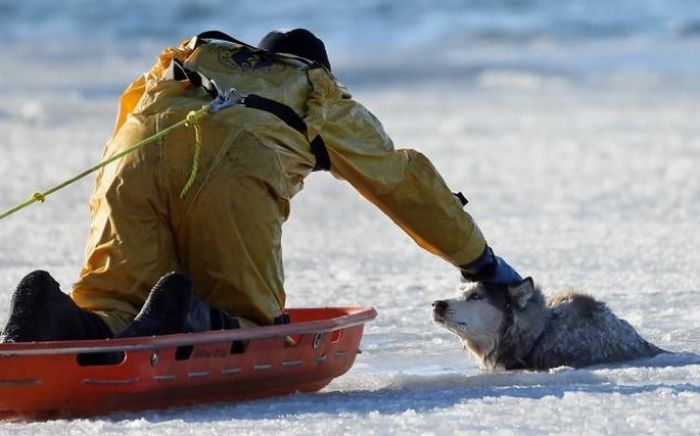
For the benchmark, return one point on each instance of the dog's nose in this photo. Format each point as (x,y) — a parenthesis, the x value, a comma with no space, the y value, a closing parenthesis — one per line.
(440,306)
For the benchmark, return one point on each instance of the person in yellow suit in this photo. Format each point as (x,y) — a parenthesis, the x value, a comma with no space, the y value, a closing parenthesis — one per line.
(162,259)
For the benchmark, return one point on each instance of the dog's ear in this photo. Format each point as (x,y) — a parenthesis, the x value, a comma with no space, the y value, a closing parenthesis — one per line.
(520,294)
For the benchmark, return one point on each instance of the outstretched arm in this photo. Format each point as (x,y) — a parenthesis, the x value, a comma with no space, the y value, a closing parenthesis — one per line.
(402,183)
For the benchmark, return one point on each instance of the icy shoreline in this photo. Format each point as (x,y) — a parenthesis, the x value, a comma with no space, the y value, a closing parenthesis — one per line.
(585,187)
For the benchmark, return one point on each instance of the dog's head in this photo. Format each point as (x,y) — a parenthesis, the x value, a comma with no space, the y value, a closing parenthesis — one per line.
(487,316)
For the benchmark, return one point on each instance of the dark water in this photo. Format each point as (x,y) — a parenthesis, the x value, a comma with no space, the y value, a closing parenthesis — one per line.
(543,37)
(396,23)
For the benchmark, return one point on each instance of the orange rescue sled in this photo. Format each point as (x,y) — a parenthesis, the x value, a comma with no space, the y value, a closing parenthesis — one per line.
(72,378)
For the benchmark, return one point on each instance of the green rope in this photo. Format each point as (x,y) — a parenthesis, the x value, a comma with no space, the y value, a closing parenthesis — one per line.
(191,120)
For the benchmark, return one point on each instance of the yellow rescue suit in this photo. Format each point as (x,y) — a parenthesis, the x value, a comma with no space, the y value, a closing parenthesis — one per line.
(226,232)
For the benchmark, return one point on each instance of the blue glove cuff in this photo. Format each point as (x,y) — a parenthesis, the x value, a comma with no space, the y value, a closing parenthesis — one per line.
(479,267)
(489,268)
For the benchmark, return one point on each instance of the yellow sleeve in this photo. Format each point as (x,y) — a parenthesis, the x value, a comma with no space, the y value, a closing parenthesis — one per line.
(402,183)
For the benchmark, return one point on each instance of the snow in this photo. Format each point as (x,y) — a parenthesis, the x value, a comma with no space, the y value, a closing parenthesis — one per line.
(583,184)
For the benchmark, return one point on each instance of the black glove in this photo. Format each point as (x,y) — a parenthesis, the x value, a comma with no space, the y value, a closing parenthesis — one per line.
(489,268)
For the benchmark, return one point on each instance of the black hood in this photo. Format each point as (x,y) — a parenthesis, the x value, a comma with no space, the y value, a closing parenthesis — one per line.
(299,42)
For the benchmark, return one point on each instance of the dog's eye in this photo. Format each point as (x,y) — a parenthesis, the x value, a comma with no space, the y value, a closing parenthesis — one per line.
(474,296)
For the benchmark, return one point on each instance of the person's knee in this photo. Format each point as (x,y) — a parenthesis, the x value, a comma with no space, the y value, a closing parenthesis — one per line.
(35,280)
(40,311)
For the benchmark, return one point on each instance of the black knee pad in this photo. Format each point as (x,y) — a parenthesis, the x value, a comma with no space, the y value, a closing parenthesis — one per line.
(40,311)
(166,309)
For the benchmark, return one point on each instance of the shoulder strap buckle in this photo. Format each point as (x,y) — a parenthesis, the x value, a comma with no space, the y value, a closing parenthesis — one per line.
(222,100)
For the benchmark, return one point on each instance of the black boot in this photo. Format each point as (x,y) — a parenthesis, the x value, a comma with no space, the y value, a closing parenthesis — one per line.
(39,311)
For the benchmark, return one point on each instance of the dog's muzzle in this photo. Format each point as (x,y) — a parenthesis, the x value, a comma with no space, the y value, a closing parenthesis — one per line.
(439,307)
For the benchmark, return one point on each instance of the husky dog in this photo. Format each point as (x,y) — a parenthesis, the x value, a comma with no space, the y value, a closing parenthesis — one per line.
(514,328)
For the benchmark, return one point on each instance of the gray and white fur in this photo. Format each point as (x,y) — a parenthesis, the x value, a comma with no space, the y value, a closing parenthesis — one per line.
(515,328)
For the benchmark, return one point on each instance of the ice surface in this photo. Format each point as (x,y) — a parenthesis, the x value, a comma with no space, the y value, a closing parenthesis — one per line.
(588,184)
